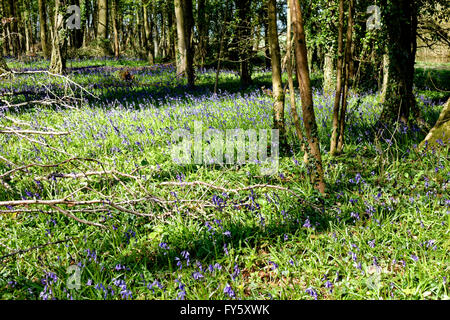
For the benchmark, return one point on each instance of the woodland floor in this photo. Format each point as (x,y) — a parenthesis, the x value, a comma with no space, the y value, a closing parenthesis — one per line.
(381,232)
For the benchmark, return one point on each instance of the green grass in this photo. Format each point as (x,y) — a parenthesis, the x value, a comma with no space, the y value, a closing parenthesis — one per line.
(381,232)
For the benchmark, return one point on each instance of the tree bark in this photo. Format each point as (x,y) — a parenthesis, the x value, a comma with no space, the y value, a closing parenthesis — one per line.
(385,77)
(58,54)
(440,133)
(27,27)
(400,21)
(337,98)
(309,120)
(202,31)
(114,13)
(185,59)
(328,72)
(244,40)
(277,86)
(3,42)
(102,27)
(148,33)
(3,66)
(348,58)
(266,40)
(15,43)
(289,67)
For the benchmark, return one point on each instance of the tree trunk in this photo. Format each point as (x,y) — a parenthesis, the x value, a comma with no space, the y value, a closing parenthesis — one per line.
(3,66)
(385,77)
(277,86)
(348,58)
(183,13)
(58,55)
(244,38)
(328,72)
(289,67)
(27,28)
(148,33)
(440,133)
(337,98)
(3,42)
(114,14)
(223,31)
(171,32)
(400,20)
(102,27)
(202,31)
(266,40)
(15,41)
(77,34)
(309,120)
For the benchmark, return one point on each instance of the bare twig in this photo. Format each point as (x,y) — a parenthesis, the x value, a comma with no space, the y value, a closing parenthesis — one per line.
(33,248)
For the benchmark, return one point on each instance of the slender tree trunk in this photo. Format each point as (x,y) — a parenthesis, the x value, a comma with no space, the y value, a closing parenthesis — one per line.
(77,33)
(15,40)
(3,66)
(140,41)
(3,42)
(309,120)
(348,58)
(202,31)
(244,39)
(102,27)
(94,12)
(28,34)
(148,33)
(266,40)
(289,67)
(337,98)
(171,32)
(385,77)
(183,12)
(223,32)
(277,86)
(156,38)
(115,30)
(328,84)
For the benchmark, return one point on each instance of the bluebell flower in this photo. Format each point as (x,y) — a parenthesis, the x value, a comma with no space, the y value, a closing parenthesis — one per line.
(197,275)
(179,263)
(307,224)
(312,293)
(329,285)
(274,265)
(229,291)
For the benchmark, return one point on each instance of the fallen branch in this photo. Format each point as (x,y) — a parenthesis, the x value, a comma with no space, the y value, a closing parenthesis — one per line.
(33,248)
(49,133)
